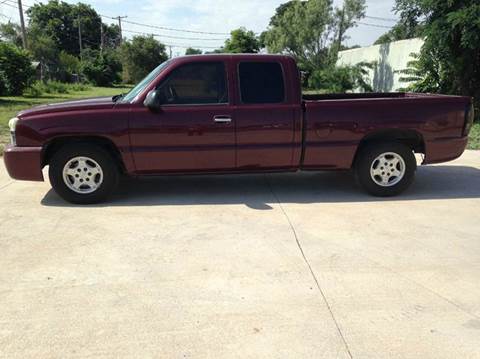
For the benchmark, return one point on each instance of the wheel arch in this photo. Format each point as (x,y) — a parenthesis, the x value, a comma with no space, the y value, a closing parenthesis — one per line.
(411,138)
(55,144)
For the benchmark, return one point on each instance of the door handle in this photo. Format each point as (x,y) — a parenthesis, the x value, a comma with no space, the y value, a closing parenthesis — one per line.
(222,119)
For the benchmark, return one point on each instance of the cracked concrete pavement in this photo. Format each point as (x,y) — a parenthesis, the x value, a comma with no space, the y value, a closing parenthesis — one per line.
(259,266)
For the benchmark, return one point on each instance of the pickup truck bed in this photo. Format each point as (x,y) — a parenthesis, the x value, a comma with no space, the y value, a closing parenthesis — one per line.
(336,125)
(233,114)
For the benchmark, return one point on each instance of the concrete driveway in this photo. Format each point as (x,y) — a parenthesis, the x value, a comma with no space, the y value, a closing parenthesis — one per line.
(275,266)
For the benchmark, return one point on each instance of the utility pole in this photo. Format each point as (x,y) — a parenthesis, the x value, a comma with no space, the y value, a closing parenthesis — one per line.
(170,51)
(22,24)
(341,29)
(120,26)
(101,38)
(80,36)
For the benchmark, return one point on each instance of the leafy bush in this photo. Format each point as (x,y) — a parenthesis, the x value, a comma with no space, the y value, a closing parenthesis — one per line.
(192,51)
(68,66)
(101,69)
(3,82)
(79,86)
(242,41)
(16,71)
(53,87)
(341,79)
(35,90)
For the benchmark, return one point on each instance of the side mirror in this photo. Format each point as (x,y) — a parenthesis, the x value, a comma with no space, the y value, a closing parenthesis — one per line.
(153,100)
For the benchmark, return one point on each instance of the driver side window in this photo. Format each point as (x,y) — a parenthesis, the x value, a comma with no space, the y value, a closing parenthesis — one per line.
(196,83)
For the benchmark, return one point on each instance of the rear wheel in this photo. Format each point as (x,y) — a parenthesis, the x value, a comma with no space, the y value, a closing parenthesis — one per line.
(385,169)
(83,173)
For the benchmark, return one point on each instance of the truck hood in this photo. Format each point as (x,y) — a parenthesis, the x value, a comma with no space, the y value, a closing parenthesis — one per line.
(75,105)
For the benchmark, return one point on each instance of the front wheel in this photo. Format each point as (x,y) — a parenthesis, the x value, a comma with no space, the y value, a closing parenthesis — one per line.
(385,169)
(83,173)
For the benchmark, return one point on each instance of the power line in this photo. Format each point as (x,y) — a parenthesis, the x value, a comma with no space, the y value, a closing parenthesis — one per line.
(172,37)
(72,36)
(374,25)
(185,46)
(381,18)
(167,28)
(14,2)
(11,5)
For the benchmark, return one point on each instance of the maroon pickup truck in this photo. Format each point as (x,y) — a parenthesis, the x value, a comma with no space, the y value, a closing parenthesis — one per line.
(233,114)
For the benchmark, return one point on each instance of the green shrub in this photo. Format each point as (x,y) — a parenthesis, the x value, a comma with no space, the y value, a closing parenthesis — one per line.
(3,83)
(341,79)
(79,86)
(68,66)
(16,71)
(35,90)
(39,88)
(101,69)
(58,87)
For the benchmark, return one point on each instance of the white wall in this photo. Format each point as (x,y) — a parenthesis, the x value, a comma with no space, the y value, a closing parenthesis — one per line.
(388,57)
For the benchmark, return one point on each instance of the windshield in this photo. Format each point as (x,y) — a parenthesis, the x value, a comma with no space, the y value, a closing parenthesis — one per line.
(144,83)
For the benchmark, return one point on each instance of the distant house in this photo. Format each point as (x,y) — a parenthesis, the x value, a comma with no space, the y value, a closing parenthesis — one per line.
(37,66)
(388,59)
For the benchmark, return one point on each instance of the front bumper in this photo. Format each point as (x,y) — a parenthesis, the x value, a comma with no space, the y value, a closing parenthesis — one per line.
(23,163)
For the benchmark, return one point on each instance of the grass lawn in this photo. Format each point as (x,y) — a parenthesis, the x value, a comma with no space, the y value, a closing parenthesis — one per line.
(474,143)
(10,106)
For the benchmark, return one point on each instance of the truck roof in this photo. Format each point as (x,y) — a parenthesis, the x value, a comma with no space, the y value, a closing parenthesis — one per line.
(241,56)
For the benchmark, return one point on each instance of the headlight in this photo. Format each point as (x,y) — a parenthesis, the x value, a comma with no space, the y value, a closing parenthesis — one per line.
(13,124)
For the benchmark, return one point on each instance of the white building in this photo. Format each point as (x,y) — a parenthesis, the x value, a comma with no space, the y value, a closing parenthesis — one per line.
(389,58)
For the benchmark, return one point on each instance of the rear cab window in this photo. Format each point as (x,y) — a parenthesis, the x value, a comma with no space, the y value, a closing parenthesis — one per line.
(261,82)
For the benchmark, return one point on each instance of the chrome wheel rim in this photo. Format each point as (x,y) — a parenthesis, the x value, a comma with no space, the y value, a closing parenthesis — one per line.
(388,169)
(82,175)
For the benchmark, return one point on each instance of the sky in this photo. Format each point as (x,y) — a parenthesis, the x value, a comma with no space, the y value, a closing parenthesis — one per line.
(209,16)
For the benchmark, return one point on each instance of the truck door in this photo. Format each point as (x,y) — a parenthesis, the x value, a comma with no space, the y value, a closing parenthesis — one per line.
(194,129)
(264,115)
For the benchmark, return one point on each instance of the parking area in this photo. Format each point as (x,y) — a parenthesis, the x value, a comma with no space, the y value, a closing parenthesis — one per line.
(261,266)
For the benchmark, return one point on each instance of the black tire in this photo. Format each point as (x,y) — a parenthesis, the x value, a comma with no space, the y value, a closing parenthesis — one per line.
(368,159)
(105,161)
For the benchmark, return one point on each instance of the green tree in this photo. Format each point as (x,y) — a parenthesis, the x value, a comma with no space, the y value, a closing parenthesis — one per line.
(16,71)
(111,36)
(44,49)
(12,33)
(140,56)
(192,51)
(60,21)
(101,69)
(344,19)
(449,61)
(280,11)
(341,79)
(312,31)
(68,66)
(242,41)
(409,25)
